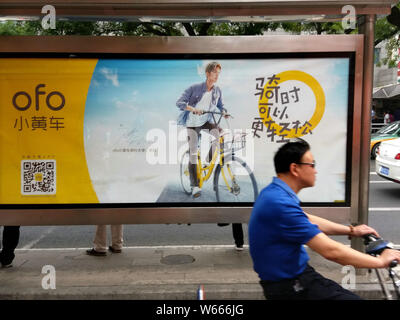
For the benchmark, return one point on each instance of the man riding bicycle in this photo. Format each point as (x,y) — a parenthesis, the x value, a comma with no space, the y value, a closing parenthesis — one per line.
(279,228)
(196,99)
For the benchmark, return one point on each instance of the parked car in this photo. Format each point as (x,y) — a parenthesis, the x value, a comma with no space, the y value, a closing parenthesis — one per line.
(387,163)
(388,132)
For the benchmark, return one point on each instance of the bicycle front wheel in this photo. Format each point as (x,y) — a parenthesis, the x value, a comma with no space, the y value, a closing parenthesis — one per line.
(235,182)
(184,173)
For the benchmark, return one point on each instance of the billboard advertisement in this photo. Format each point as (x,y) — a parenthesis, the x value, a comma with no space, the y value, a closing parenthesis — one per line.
(117,131)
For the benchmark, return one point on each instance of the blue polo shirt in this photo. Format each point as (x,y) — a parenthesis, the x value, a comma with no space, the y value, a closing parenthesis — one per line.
(278,228)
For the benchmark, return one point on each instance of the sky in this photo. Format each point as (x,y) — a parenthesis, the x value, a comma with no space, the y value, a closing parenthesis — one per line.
(124,88)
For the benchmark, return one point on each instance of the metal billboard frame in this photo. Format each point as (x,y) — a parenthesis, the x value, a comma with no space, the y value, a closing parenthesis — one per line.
(25,45)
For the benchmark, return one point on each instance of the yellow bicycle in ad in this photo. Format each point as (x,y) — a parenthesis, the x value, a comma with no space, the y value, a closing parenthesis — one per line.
(234,181)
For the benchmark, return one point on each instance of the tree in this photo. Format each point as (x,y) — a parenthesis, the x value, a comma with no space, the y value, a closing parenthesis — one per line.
(388,29)
(137,28)
(385,29)
(313,27)
(11,28)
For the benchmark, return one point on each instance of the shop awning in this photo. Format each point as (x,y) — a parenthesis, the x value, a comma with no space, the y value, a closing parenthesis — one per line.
(386,92)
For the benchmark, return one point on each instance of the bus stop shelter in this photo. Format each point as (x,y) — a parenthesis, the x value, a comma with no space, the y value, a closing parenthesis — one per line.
(361,46)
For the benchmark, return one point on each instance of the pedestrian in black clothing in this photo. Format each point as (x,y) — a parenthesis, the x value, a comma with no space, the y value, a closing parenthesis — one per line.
(237,231)
(9,243)
(396,114)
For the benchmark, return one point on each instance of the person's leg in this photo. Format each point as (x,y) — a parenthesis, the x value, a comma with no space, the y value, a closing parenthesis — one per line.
(116,238)
(237,231)
(100,239)
(213,130)
(9,243)
(193,143)
(309,285)
(320,288)
(282,290)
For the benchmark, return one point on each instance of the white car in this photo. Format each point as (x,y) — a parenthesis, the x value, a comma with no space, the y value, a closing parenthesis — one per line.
(387,163)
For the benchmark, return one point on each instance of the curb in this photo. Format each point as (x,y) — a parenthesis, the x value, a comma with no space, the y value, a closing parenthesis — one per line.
(162,292)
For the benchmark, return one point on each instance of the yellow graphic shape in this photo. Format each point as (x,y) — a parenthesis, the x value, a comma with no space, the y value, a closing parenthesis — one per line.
(47,124)
(316,88)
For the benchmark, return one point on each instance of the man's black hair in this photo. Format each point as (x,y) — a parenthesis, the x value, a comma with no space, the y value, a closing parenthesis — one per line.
(291,152)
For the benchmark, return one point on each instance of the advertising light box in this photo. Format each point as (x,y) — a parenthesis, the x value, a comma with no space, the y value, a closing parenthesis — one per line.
(101,130)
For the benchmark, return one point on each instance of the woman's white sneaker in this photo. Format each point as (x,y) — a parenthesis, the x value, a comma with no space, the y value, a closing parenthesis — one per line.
(196,192)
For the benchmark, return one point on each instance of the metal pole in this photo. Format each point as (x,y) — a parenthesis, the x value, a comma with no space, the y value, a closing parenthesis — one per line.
(366,27)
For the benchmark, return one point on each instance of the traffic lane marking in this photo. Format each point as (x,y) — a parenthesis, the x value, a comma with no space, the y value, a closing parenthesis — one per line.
(384,209)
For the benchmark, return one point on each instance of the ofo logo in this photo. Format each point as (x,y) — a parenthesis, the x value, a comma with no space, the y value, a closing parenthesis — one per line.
(22,100)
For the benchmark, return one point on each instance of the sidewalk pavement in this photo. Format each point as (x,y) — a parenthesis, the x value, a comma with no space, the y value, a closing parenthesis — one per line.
(150,273)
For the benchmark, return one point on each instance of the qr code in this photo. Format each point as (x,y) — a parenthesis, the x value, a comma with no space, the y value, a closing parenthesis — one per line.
(38,177)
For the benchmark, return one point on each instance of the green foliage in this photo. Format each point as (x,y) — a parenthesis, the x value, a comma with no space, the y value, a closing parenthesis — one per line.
(12,28)
(66,28)
(92,28)
(242,29)
(392,56)
(313,27)
(136,28)
(385,30)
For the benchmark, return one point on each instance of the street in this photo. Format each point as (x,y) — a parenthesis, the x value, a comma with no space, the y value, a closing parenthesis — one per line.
(384,206)
(384,216)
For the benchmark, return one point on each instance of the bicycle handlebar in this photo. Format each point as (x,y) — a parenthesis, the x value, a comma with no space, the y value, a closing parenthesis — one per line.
(376,246)
(221,113)
(368,238)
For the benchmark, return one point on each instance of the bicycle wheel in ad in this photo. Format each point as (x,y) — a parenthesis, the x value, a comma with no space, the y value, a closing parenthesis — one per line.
(184,173)
(235,182)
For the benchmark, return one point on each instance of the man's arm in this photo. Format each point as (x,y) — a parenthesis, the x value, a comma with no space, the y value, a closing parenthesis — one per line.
(220,103)
(332,228)
(344,255)
(183,101)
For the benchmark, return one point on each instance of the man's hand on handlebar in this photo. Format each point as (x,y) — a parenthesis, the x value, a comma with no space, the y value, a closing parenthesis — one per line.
(381,249)
(363,229)
(389,255)
(225,113)
(194,110)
